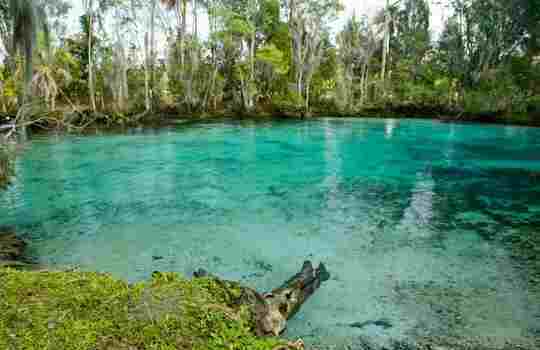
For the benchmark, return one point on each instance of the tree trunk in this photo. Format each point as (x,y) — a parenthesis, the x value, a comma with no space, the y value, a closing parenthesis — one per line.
(91,83)
(153,55)
(195,19)
(252,56)
(299,82)
(386,45)
(28,72)
(147,74)
(272,310)
(366,83)
(308,91)
(362,77)
(183,30)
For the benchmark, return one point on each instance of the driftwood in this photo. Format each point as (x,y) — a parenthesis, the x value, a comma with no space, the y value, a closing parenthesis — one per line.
(272,310)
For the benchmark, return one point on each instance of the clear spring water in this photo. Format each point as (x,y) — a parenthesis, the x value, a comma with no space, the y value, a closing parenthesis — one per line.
(409,216)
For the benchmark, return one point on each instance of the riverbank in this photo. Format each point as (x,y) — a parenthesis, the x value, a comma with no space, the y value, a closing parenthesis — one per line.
(87,310)
(451,305)
(84,118)
(83,310)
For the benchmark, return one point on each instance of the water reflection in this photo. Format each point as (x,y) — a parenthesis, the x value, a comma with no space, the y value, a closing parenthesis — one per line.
(422,222)
(418,215)
(389,126)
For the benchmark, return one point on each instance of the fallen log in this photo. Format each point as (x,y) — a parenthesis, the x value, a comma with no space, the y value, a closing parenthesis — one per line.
(272,310)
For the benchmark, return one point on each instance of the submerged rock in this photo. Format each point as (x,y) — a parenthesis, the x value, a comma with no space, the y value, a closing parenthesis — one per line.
(6,166)
(12,250)
(11,247)
(379,323)
(436,343)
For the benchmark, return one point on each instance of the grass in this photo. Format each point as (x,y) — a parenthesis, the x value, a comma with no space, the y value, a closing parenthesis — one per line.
(81,310)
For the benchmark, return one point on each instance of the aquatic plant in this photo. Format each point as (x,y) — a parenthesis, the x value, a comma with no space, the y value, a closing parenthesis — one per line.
(6,166)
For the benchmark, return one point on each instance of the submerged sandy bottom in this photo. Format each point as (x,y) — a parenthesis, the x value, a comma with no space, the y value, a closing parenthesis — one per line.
(416,221)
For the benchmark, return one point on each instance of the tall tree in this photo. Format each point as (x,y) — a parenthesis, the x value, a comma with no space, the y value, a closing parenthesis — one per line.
(307,21)
(412,32)
(26,17)
(90,21)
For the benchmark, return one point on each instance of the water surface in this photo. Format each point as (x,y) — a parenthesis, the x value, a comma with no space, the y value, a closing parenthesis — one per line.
(418,222)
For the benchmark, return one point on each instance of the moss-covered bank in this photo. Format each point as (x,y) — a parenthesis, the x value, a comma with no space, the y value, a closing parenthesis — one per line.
(79,310)
(83,310)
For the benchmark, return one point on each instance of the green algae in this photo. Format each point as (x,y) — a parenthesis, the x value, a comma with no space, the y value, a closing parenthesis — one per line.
(6,166)
(83,310)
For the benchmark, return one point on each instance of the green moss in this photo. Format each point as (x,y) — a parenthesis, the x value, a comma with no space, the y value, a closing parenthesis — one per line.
(78,310)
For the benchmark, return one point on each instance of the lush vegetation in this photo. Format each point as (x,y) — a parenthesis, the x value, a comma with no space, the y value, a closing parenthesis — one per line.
(271,56)
(76,310)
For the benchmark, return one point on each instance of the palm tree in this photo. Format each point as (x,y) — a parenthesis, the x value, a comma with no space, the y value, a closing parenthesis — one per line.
(47,79)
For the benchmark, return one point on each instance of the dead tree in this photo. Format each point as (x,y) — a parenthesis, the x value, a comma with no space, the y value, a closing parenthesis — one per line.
(270,311)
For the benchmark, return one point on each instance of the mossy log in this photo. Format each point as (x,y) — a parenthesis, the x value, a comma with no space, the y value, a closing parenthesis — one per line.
(271,311)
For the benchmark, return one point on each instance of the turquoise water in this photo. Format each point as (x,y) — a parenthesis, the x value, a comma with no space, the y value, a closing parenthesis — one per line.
(416,220)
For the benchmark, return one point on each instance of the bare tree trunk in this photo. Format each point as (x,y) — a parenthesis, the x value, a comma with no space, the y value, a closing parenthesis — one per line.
(252,56)
(299,81)
(210,89)
(119,83)
(183,30)
(362,77)
(195,19)
(386,45)
(308,90)
(194,54)
(147,74)
(153,55)
(28,72)
(91,83)
(272,310)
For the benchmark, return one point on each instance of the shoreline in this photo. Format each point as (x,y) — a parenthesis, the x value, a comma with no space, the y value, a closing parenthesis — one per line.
(441,342)
(171,117)
(200,313)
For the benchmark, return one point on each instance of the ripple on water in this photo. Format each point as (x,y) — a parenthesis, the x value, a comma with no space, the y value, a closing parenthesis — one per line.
(427,226)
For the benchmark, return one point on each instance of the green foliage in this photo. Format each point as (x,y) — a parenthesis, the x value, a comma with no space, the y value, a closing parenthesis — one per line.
(76,310)
(269,20)
(290,101)
(324,81)
(8,89)
(273,56)
(486,59)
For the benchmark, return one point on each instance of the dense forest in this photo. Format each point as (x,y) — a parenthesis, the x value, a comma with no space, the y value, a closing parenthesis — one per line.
(133,58)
